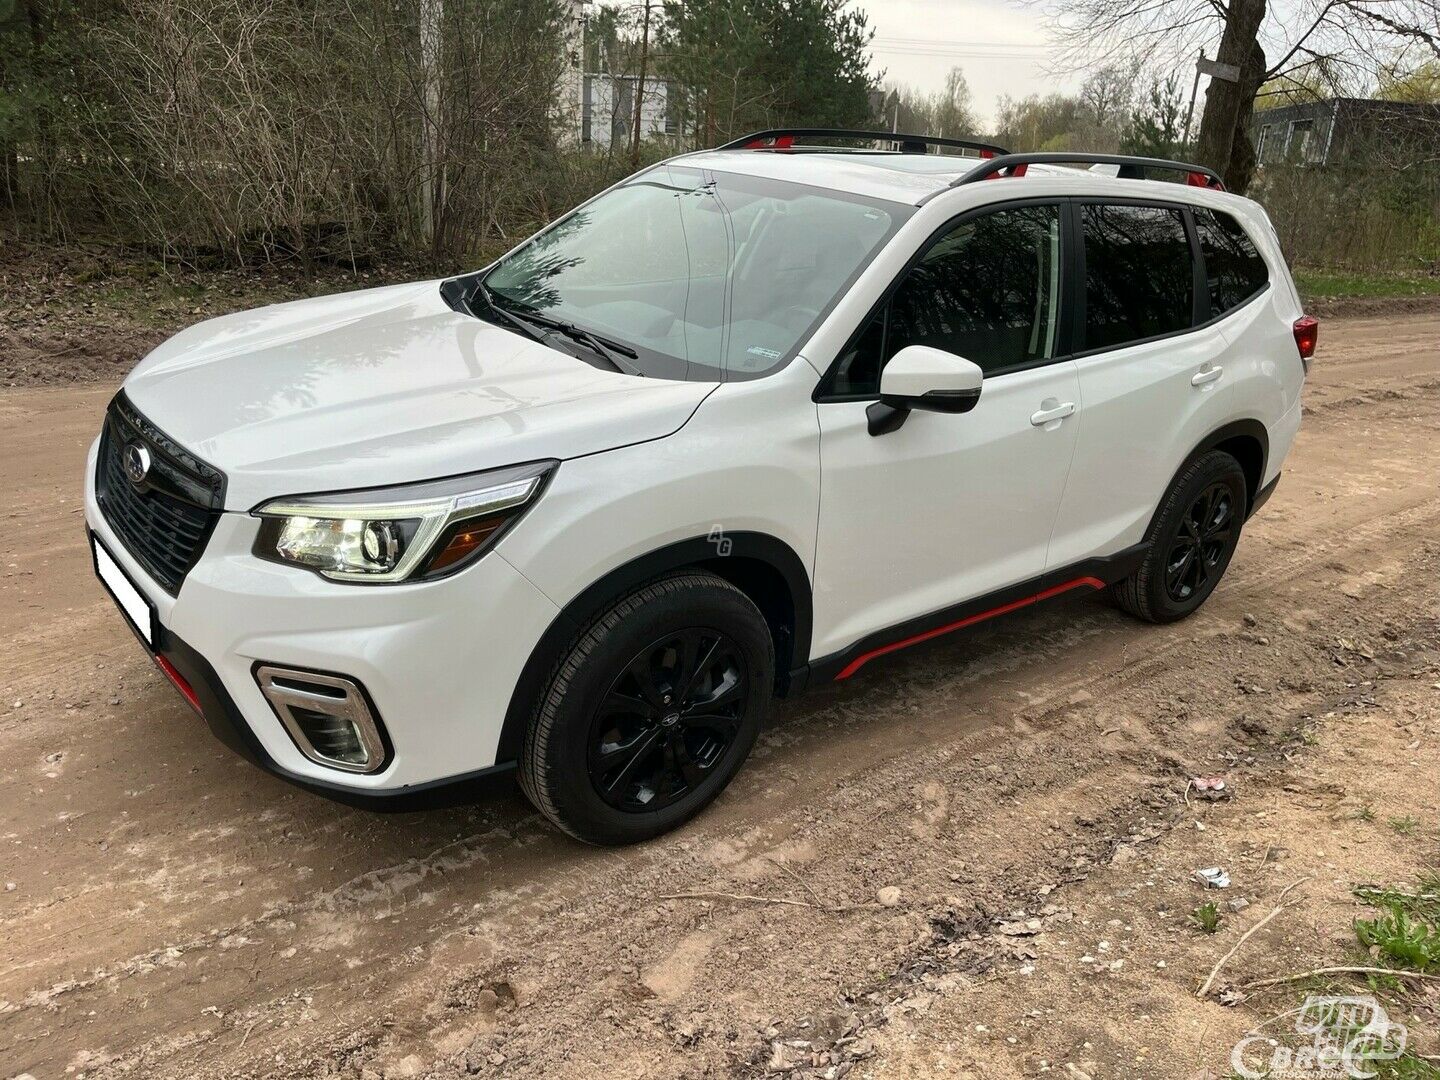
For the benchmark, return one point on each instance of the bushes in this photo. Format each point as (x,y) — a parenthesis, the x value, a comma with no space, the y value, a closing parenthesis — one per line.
(249,130)
(1355,217)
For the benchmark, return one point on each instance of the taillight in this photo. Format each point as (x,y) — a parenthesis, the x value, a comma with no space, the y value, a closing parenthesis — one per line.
(1307,333)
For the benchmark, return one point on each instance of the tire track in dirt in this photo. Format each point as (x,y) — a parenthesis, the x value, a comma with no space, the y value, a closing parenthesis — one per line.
(1041,713)
(179,914)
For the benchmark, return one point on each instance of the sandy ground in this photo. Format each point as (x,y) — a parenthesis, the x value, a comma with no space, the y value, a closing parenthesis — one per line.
(169,911)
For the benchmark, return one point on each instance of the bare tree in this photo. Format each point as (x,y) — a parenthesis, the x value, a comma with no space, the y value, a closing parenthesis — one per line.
(948,113)
(1343,40)
(1107,95)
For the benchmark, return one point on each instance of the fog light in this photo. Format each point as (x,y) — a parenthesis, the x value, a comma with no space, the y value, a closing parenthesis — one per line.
(328,717)
(334,738)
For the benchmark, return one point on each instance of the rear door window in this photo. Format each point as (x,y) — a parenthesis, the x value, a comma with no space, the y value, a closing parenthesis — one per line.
(1139,273)
(1234,270)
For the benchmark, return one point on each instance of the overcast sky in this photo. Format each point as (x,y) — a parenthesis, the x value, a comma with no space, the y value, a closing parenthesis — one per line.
(1001,46)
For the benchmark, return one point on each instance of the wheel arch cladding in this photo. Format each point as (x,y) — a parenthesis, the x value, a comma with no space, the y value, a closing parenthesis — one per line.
(1246,441)
(763,567)
(1250,451)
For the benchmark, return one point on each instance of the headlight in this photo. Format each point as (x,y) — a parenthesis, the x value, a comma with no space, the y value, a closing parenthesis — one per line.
(410,533)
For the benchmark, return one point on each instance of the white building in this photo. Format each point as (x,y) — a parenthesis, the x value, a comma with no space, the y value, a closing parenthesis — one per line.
(608,113)
(596,108)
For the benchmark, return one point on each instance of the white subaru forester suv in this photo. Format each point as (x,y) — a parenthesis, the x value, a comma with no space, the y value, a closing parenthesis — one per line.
(744,422)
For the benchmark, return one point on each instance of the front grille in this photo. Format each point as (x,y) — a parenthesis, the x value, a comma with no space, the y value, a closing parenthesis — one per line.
(166,519)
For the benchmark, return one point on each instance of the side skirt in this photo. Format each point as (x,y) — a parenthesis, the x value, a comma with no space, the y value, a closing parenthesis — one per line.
(1081,579)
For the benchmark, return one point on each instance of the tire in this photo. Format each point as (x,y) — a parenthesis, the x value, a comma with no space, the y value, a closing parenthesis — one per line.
(629,739)
(1202,515)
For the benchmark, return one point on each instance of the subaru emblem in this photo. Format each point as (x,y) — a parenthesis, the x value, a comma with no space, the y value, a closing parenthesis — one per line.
(136,462)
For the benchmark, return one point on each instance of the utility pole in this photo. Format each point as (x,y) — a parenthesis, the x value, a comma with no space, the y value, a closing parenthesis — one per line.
(1194,91)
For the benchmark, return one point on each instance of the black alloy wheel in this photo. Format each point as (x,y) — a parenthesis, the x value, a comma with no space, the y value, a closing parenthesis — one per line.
(668,718)
(1207,531)
(651,710)
(1190,541)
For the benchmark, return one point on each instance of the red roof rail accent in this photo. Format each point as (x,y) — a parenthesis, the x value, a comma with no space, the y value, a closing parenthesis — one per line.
(1018,170)
(777,142)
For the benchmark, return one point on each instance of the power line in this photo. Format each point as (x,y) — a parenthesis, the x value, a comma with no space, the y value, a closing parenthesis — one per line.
(959,54)
(957,42)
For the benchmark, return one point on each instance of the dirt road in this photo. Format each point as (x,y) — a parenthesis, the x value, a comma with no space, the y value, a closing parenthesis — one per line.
(170,911)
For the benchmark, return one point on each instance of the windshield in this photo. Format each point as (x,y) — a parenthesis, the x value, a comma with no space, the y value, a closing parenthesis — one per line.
(704,275)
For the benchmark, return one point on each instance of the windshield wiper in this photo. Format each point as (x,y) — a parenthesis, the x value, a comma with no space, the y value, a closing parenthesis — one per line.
(540,327)
(525,326)
(616,354)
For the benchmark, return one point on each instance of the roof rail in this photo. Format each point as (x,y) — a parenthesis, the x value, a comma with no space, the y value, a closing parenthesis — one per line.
(1131,168)
(784,139)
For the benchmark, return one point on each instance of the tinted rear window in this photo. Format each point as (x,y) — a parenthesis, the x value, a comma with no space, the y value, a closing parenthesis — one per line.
(1234,270)
(1139,279)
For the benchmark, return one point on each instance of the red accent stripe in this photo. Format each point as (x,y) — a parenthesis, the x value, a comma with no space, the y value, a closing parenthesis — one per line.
(186,690)
(1014,605)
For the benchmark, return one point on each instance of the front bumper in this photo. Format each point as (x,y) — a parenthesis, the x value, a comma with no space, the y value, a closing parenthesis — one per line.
(439,659)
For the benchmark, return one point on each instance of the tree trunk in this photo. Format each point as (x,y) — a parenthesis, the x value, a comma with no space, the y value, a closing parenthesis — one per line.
(10,178)
(1224,140)
(432,14)
(640,87)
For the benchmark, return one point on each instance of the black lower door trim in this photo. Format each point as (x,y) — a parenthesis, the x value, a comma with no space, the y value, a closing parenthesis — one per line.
(1080,579)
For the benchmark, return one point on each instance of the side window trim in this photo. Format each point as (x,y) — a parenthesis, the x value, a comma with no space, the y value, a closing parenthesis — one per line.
(1063,346)
(1201,307)
(1075,287)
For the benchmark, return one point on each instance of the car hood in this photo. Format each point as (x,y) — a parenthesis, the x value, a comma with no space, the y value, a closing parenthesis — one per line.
(385,386)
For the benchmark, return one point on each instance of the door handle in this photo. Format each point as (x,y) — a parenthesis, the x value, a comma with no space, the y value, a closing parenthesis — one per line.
(1058,412)
(1207,374)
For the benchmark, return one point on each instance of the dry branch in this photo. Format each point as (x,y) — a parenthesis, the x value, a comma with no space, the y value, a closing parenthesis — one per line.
(1280,906)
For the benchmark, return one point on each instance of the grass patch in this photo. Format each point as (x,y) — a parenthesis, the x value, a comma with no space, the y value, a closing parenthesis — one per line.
(1316,283)
(1403,936)
(1206,918)
(1404,825)
(1374,1055)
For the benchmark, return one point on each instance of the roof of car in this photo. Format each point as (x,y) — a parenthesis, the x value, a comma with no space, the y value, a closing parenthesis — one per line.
(893,176)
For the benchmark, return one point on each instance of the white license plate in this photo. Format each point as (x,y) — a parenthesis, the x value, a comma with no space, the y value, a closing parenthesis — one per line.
(132,602)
